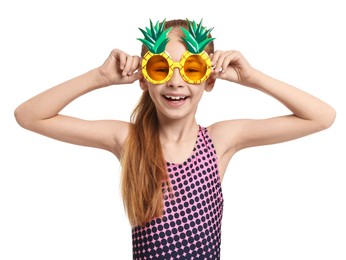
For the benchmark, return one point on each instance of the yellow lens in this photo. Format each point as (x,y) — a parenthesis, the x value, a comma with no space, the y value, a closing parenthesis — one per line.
(157,68)
(195,67)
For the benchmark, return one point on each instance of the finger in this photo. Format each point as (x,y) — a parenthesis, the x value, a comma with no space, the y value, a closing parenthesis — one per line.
(127,79)
(135,76)
(224,60)
(214,57)
(134,65)
(118,57)
(218,59)
(229,59)
(139,70)
(127,66)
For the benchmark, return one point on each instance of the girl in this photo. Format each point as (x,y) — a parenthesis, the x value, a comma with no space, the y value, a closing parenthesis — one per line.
(172,167)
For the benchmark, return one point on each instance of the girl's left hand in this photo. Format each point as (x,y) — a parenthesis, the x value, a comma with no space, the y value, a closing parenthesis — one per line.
(232,66)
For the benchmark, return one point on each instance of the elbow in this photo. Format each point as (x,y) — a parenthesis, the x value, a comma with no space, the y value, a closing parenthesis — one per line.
(328,119)
(22,117)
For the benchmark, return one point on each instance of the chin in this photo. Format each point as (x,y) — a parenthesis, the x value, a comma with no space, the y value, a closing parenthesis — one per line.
(177,114)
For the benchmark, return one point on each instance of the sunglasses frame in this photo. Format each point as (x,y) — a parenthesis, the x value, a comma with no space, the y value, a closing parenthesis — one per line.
(172,65)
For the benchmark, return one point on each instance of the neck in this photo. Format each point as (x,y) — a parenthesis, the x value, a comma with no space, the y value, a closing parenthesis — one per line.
(177,130)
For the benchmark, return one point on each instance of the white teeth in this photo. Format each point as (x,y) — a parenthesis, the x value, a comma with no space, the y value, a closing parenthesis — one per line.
(175,98)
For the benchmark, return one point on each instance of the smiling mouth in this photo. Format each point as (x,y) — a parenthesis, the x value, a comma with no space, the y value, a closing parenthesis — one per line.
(175,98)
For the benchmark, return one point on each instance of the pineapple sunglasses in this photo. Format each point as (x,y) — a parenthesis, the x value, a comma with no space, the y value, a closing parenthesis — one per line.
(193,68)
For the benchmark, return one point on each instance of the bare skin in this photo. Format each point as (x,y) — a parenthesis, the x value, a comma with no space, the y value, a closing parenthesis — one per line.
(178,127)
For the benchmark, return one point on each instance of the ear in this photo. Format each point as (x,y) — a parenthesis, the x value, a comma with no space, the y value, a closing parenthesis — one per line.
(210,84)
(143,83)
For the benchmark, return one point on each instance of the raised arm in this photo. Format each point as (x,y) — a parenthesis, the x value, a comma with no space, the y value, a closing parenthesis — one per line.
(309,114)
(41,113)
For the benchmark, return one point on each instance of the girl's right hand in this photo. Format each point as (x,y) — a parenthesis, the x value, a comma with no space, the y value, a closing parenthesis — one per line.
(119,68)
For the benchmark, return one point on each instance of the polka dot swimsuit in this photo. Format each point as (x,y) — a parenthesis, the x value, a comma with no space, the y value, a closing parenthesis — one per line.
(190,227)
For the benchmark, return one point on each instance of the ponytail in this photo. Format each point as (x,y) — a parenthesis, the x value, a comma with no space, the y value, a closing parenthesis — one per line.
(143,165)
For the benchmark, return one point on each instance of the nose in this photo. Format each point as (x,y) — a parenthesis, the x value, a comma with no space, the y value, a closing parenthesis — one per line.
(176,80)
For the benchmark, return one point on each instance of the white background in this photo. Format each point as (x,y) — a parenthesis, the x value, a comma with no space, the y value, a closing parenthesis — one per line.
(62,202)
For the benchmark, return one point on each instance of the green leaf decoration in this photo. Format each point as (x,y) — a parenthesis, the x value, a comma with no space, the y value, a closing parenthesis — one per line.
(155,37)
(196,37)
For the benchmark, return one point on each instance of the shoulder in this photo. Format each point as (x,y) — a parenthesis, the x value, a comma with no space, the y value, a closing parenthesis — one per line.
(226,135)
(225,129)
(120,131)
(112,134)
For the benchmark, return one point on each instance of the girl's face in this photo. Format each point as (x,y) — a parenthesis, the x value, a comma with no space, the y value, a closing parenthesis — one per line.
(176,99)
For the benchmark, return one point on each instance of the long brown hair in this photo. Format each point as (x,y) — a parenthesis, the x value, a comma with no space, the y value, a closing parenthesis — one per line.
(144,176)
